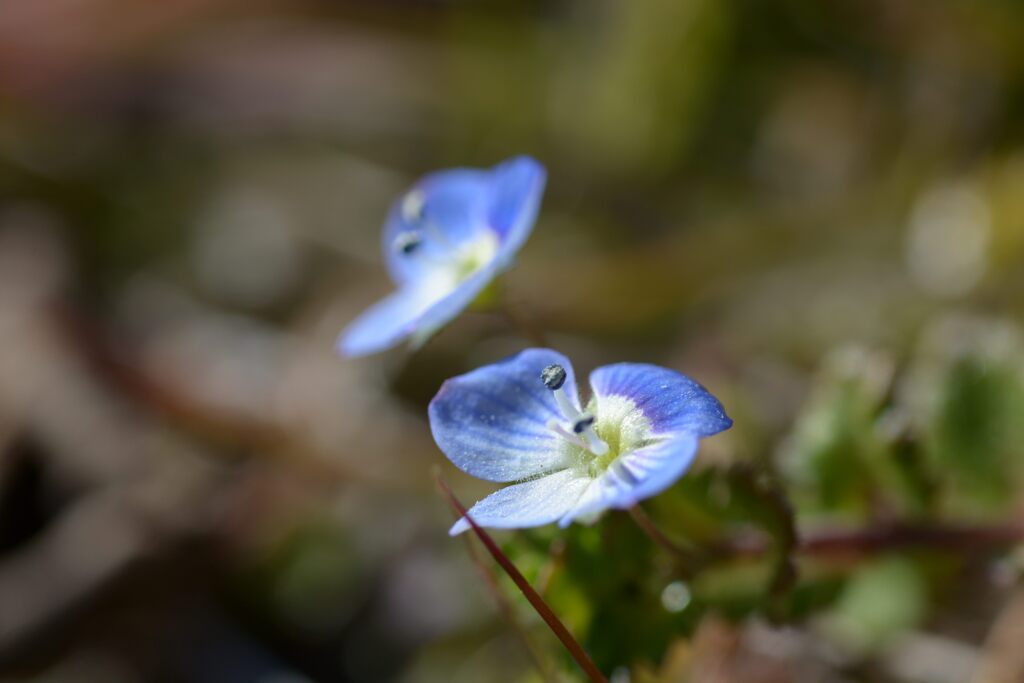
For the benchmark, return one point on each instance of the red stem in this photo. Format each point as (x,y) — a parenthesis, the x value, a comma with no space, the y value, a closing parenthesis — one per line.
(545,612)
(892,536)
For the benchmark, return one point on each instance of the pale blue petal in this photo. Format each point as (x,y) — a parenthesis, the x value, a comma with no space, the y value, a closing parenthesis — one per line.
(518,185)
(532,503)
(414,312)
(635,476)
(445,309)
(455,207)
(492,422)
(671,401)
(384,324)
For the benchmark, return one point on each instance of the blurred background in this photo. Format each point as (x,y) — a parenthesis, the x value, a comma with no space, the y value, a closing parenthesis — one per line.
(814,208)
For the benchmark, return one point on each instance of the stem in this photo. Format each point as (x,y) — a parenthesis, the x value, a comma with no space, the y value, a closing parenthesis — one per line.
(898,536)
(534,598)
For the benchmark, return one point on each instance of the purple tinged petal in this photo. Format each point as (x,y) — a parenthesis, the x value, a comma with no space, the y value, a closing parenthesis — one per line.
(532,503)
(492,422)
(635,476)
(671,401)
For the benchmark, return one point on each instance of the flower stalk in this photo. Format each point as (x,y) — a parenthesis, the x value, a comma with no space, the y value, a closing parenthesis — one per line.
(533,597)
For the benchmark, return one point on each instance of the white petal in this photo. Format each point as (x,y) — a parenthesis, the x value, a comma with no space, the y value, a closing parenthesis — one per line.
(532,503)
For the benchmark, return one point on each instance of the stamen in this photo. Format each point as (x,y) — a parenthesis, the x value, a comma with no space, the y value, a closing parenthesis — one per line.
(407,242)
(582,423)
(594,442)
(554,426)
(583,434)
(413,206)
(553,377)
(414,213)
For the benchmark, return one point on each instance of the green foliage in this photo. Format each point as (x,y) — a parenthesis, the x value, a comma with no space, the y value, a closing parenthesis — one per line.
(969,388)
(880,601)
(828,459)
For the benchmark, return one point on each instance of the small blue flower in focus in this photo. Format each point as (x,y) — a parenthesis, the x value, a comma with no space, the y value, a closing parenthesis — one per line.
(521,420)
(444,241)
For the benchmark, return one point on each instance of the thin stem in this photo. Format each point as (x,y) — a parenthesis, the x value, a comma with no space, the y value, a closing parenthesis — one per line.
(534,598)
(898,536)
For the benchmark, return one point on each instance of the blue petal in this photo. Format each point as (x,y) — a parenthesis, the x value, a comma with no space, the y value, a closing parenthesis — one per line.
(492,422)
(384,324)
(442,311)
(671,401)
(531,503)
(455,205)
(518,185)
(635,476)
(415,311)
(459,203)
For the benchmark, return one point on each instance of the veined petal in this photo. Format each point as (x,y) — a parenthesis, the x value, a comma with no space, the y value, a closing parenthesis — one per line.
(492,422)
(386,323)
(671,401)
(532,503)
(635,476)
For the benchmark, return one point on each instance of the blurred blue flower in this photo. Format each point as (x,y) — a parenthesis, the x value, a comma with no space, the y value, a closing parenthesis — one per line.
(444,241)
(521,420)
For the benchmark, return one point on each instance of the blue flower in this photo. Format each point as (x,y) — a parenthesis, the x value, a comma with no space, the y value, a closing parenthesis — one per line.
(521,420)
(444,241)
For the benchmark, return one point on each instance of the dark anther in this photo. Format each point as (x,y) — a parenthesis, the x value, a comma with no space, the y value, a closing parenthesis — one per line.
(408,242)
(583,423)
(553,377)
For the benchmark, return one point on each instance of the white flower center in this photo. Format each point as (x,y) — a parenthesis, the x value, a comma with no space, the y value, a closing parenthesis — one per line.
(611,426)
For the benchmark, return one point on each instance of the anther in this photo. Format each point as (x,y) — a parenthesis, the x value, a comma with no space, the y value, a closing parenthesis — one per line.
(407,242)
(583,423)
(582,434)
(553,377)
(413,206)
